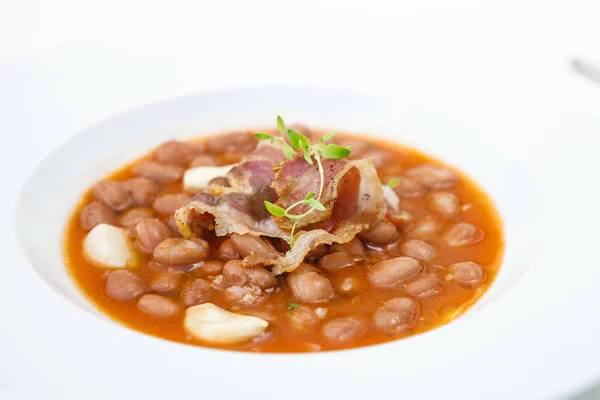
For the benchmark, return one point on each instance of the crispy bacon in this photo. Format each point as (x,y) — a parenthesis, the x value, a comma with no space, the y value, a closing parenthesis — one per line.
(352,197)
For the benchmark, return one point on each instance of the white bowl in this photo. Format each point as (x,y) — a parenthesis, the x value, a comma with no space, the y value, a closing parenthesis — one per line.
(488,353)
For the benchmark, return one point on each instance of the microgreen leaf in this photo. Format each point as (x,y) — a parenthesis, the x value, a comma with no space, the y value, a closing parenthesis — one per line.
(316,204)
(310,195)
(328,136)
(288,151)
(292,306)
(264,136)
(280,125)
(298,140)
(274,209)
(335,152)
(393,182)
(308,158)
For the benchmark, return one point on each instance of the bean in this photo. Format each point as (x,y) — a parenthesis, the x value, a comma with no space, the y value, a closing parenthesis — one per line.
(226,251)
(166,283)
(424,286)
(467,273)
(209,268)
(174,152)
(381,233)
(124,285)
(113,194)
(302,318)
(169,203)
(205,160)
(394,271)
(433,176)
(134,216)
(159,306)
(418,249)
(343,330)
(94,214)
(308,285)
(426,227)
(149,233)
(354,247)
(143,191)
(463,234)
(231,143)
(246,245)
(409,188)
(336,260)
(196,292)
(160,173)
(443,202)
(177,251)
(237,274)
(397,315)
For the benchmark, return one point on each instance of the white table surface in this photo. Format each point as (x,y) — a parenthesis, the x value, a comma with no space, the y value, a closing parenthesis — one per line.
(72,63)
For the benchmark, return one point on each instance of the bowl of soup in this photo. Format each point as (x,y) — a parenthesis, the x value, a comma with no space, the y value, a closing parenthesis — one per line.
(284,222)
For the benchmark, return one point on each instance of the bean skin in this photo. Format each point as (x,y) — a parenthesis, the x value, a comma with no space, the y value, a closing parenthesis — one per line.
(418,249)
(246,245)
(382,233)
(463,234)
(134,216)
(174,152)
(394,271)
(142,190)
(196,292)
(158,306)
(308,285)
(177,251)
(149,233)
(112,194)
(467,273)
(169,203)
(160,173)
(124,285)
(397,315)
(343,330)
(94,214)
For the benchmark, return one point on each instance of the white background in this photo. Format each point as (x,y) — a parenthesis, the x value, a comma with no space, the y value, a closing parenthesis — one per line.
(500,66)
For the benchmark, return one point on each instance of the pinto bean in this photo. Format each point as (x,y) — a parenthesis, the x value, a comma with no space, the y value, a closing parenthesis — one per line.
(160,173)
(244,295)
(169,203)
(443,202)
(209,268)
(177,251)
(397,315)
(231,143)
(409,188)
(424,286)
(394,271)
(226,251)
(343,330)
(425,227)
(113,194)
(418,249)
(467,273)
(134,216)
(124,285)
(463,234)
(382,233)
(433,176)
(94,214)
(302,318)
(196,292)
(246,245)
(235,273)
(308,285)
(149,233)
(336,260)
(174,152)
(205,160)
(354,247)
(170,220)
(143,191)
(159,306)
(166,283)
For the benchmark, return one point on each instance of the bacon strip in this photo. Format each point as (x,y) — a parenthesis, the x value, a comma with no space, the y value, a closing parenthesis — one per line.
(352,196)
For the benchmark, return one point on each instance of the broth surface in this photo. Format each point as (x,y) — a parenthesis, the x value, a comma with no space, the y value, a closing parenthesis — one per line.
(298,327)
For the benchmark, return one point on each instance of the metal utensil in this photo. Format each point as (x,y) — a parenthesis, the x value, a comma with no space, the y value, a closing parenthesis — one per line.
(586,69)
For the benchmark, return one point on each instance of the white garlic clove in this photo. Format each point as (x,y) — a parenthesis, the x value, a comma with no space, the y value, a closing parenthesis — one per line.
(195,179)
(108,246)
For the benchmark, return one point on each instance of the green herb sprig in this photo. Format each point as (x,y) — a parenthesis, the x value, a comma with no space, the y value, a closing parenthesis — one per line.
(317,151)
(393,182)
